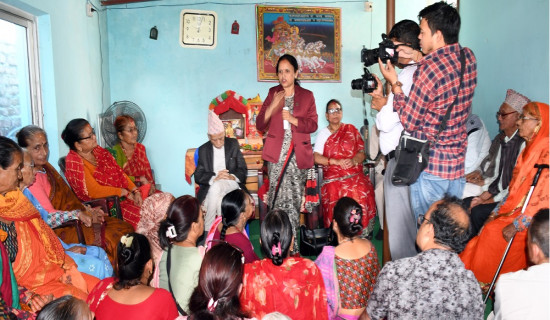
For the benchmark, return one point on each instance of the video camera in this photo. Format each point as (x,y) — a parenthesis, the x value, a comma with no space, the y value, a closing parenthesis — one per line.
(385,51)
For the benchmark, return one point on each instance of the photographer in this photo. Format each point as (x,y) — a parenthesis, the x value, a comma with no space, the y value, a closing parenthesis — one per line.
(435,87)
(400,220)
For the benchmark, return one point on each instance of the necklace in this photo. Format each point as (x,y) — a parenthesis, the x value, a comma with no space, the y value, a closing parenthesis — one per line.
(346,240)
(128,152)
(334,130)
(190,242)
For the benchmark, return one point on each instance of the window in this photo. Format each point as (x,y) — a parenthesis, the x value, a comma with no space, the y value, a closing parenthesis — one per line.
(20,102)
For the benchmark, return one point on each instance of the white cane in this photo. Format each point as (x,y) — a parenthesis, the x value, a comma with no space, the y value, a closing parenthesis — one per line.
(539,167)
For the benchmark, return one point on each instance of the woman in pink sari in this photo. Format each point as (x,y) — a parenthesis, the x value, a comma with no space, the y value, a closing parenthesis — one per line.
(339,148)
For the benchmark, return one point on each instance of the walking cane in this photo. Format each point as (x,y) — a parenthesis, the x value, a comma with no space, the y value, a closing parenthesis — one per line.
(539,167)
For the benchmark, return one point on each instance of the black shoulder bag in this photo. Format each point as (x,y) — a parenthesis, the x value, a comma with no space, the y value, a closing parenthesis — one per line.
(412,154)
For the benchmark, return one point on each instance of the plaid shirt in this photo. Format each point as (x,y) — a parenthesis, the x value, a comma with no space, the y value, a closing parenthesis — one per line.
(434,88)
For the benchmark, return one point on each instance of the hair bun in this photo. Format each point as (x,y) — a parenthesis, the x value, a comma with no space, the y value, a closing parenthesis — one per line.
(126,253)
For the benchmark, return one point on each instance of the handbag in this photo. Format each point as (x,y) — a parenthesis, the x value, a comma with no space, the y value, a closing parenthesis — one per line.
(312,241)
(412,154)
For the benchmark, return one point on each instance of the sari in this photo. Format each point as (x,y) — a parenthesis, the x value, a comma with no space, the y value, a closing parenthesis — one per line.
(41,264)
(352,182)
(107,174)
(61,197)
(94,262)
(294,288)
(483,253)
(137,166)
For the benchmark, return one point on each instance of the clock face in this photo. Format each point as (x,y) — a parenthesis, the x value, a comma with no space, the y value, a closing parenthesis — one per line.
(198,29)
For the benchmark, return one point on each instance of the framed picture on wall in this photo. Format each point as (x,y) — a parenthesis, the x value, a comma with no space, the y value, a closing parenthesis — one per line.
(311,34)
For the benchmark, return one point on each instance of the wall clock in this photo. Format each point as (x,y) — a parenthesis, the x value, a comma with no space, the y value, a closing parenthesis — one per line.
(198,29)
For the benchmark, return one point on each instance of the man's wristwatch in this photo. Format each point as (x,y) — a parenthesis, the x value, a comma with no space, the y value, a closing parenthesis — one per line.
(396,84)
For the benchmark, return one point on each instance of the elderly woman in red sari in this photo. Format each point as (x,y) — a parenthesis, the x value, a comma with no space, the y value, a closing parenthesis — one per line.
(340,149)
(484,252)
(130,155)
(93,173)
(40,264)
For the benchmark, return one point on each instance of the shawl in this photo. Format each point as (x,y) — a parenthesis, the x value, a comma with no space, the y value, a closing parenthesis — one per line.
(107,172)
(343,144)
(8,286)
(325,263)
(41,257)
(536,151)
(61,195)
(138,165)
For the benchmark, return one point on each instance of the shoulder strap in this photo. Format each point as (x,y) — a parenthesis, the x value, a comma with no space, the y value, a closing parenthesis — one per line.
(168,265)
(443,124)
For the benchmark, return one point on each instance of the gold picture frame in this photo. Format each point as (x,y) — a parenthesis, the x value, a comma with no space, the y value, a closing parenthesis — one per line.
(311,34)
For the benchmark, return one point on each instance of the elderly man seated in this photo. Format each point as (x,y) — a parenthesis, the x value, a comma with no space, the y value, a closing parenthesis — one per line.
(433,284)
(220,169)
(489,183)
(524,294)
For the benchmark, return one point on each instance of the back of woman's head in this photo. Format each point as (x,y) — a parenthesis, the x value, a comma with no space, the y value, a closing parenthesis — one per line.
(348,214)
(7,148)
(134,251)
(65,308)
(220,279)
(179,218)
(26,133)
(233,205)
(71,133)
(276,235)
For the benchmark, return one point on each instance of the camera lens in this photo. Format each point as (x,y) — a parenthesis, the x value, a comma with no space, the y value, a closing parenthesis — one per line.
(357,84)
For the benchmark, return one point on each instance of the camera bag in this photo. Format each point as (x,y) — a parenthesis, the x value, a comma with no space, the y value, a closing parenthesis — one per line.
(412,154)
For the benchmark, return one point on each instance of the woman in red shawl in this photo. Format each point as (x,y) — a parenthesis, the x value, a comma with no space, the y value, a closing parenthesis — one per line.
(130,155)
(340,149)
(484,252)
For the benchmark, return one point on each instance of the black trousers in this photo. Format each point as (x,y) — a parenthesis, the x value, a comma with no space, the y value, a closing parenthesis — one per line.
(479,213)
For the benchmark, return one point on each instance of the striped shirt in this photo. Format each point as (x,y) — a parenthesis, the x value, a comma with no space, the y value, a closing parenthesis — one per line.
(434,88)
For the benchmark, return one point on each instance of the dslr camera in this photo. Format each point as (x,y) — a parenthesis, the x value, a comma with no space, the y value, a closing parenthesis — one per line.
(385,51)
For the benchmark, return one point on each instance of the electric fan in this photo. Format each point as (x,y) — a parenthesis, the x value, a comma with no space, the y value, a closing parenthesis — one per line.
(107,119)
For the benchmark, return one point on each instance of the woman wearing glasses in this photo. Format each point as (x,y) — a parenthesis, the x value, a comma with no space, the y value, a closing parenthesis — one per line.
(93,173)
(130,154)
(484,252)
(340,149)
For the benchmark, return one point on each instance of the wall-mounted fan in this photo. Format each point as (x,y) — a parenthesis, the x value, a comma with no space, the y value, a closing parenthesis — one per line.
(107,119)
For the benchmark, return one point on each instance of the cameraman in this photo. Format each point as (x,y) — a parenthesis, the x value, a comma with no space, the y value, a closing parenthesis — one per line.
(399,216)
(435,86)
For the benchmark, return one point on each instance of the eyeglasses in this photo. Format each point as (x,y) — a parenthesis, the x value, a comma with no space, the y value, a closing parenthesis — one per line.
(131,130)
(421,219)
(88,137)
(523,118)
(335,110)
(504,114)
(214,242)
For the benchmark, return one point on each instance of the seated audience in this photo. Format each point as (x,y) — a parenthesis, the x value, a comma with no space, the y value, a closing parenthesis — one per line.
(341,150)
(350,269)
(524,294)
(66,308)
(237,207)
(89,259)
(220,283)
(93,173)
(40,263)
(433,284)
(221,168)
(290,285)
(130,154)
(129,296)
(56,197)
(489,183)
(478,143)
(178,235)
(484,252)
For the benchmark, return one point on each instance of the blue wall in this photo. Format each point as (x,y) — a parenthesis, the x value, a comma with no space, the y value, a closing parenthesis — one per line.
(174,85)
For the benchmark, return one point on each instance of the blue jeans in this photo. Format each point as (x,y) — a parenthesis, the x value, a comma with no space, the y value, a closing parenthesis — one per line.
(430,188)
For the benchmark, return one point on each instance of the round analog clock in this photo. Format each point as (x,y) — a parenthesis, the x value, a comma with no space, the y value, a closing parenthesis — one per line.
(198,29)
